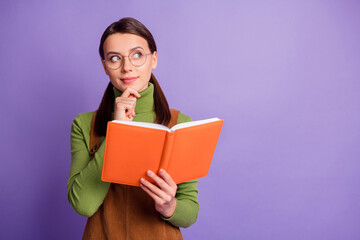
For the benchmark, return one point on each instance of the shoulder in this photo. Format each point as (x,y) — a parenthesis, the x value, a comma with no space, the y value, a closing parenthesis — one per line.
(183,118)
(83,121)
(84,116)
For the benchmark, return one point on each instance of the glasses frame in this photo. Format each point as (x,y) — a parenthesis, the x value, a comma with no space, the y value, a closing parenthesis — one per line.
(128,56)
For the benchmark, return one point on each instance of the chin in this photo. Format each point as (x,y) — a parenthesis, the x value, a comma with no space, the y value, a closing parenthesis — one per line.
(134,85)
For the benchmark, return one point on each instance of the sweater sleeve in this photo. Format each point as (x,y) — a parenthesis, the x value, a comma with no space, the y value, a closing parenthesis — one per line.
(187,205)
(85,190)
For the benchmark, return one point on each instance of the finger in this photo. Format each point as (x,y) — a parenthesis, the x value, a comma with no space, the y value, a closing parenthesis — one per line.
(130,115)
(126,93)
(134,96)
(125,100)
(168,179)
(124,107)
(155,190)
(131,101)
(123,111)
(134,93)
(133,107)
(130,91)
(160,182)
(150,193)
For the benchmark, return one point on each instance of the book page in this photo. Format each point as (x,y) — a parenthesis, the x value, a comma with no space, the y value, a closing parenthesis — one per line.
(143,124)
(193,123)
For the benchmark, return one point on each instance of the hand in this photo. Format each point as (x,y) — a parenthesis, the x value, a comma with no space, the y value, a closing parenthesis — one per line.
(163,192)
(125,105)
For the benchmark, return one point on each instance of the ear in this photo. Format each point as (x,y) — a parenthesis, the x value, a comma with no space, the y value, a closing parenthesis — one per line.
(103,64)
(154,60)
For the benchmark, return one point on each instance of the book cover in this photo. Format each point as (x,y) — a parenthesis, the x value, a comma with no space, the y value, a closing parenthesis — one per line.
(185,151)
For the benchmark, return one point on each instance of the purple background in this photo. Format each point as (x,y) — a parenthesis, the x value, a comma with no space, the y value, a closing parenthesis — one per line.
(283,74)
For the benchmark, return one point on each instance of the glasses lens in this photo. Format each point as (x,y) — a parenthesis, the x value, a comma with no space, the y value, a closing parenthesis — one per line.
(137,57)
(113,62)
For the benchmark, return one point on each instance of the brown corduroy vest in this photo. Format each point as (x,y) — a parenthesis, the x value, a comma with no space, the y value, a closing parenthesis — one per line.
(127,211)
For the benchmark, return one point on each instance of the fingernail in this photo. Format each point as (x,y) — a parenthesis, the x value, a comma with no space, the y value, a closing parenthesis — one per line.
(142,180)
(161,171)
(149,172)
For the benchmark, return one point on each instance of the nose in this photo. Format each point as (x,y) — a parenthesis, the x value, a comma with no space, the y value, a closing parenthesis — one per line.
(126,65)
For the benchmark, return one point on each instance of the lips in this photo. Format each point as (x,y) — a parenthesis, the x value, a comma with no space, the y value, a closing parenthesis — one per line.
(128,79)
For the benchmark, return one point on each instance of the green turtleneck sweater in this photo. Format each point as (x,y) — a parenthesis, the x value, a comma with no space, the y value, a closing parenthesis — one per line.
(86,191)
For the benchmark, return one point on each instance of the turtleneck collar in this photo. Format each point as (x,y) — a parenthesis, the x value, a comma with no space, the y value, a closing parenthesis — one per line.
(145,103)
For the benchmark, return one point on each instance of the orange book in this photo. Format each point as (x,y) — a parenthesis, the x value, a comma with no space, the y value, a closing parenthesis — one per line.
(185,151)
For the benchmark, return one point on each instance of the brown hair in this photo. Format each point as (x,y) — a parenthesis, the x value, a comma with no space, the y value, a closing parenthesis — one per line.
(132,26)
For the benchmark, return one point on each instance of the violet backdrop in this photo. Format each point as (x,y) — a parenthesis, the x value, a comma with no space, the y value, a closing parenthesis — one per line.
(284,75)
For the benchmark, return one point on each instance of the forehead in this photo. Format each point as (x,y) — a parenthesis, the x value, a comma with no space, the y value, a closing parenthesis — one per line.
(124,42)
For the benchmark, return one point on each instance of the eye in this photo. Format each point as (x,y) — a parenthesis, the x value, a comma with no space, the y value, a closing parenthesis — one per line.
(137,55)
(115,58)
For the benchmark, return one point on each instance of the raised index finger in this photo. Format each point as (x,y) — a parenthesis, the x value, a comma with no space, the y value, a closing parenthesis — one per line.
(130,91)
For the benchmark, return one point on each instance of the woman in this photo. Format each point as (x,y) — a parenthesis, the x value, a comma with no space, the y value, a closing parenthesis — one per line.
(114,211)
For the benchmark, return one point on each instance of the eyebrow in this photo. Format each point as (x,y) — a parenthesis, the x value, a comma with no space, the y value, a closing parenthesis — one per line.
(119,53)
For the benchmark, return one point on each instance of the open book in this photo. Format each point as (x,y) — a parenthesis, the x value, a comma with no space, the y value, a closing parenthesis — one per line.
(185,151)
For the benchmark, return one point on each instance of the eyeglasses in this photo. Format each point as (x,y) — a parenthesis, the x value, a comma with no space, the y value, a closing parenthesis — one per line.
(137,57)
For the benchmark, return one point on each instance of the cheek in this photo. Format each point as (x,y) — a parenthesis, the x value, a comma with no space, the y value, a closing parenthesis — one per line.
(147,72)
(111,75)
(113,78)
(147,67)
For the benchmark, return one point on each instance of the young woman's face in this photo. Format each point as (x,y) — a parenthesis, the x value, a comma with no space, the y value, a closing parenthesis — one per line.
(117,47)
